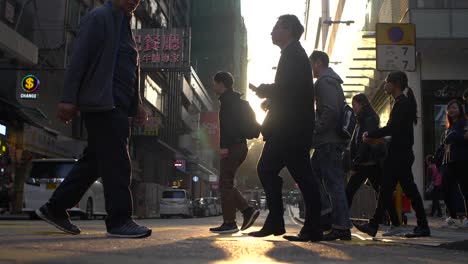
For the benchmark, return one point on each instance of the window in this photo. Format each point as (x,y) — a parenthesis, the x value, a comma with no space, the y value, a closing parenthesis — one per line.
(153,93)
(173,194)
(50,170)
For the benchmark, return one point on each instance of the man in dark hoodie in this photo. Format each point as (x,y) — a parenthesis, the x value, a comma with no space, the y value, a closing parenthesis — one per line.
(287,131)
(233,151)
(102,83)
(329,145)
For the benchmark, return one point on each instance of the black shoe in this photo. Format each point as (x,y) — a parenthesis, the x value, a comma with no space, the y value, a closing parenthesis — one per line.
(304,237)
(419,231)
(250,215)
(268,231)
(129,230)
(367,228)
(63,224)
(225,228)
(337,234)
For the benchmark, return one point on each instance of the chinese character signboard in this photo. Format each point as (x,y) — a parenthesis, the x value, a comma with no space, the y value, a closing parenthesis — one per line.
(163,48)
(396,47)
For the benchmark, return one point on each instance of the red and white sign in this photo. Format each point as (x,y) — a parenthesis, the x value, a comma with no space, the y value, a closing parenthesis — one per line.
(161,48)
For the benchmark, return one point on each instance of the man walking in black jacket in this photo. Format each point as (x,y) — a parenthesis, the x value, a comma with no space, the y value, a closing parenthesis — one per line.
(233,152)
(287,131)
(102,83)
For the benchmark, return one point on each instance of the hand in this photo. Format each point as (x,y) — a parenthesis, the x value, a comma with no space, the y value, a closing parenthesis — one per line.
(466,136)
(142,116)
(66,112)
(365,139)
(224,153)
(265,105)
(352,172)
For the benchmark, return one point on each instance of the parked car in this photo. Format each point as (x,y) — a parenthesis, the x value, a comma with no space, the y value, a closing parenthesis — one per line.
(175,202)
(201,208)
(45,175)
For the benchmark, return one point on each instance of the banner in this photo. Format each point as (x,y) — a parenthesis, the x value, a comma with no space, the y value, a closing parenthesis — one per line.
(210,129)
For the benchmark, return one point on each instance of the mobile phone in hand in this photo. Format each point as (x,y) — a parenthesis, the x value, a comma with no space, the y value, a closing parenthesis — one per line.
(252,87)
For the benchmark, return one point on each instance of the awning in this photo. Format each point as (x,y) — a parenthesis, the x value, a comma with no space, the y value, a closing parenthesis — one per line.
(13,45)
(10,111)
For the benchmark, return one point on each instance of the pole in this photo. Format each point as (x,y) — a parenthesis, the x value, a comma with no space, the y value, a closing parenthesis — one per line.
(398,201)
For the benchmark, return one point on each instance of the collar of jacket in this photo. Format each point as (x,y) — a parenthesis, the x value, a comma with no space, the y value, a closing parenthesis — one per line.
(228,93)
(115,10)
(290,45)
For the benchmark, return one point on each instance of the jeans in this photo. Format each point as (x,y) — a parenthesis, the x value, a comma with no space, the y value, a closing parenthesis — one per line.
(275,156)
(327,166)
(105,157)
(435,201)
(231,198)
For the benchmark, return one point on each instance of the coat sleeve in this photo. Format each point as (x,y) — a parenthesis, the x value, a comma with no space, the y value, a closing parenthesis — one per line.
(292,74)
(363,153)
(85,47)
(397,120)
(327,91)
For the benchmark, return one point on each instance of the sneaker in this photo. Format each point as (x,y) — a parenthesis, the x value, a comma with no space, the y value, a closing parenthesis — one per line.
(449,222)
(225,228)
(337,234)
(129,230)
(367,228)
(465,223)
(63,224)
(250,215)
(419,231)
(393,231)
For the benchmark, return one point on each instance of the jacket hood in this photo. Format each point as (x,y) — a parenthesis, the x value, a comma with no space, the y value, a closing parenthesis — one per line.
(330,73)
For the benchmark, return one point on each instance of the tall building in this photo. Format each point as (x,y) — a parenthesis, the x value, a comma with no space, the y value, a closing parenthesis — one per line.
(219,41)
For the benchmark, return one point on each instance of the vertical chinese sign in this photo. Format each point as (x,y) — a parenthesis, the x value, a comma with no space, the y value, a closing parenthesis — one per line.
(163,48)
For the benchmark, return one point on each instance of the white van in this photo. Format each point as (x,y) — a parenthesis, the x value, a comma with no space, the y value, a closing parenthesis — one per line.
(44,176)
(175,202)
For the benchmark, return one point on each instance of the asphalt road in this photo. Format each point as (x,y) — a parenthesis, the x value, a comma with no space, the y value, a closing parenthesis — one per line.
(189,241)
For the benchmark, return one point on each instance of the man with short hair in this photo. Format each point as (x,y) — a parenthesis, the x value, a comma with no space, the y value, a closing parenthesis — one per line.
(329,145)
(102,83)
(233,152)
(287,132)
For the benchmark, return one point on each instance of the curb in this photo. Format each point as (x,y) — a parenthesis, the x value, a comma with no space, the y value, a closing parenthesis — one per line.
(14,217)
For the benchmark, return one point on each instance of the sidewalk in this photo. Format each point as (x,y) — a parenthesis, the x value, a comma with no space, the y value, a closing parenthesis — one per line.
(451,238)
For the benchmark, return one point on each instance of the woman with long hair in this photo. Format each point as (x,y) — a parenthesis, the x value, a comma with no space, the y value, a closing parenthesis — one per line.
(365,161)
(400,158)
(455,160)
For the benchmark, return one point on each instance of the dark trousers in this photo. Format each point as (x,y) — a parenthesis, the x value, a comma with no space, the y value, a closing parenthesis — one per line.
(231,198)
(275,156)
(371,172)
(435,201)
(455,173)
(374,174)
(105,157)
(397,168)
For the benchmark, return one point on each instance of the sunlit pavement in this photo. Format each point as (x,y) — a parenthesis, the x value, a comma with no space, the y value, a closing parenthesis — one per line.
(189,241)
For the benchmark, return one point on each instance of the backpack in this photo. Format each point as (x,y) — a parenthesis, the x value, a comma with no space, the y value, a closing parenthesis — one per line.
(249,128)
(346,122)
